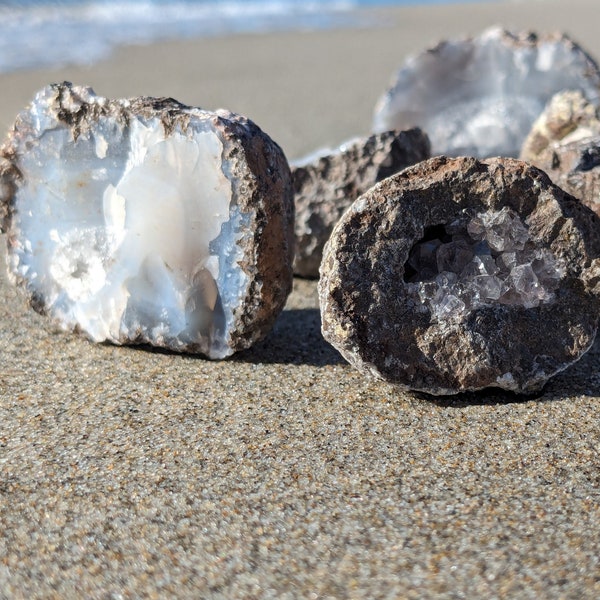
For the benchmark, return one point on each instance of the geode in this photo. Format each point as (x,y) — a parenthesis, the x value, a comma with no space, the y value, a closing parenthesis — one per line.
(326,184)
(145,221)
(565,143)
(457,275)
(479,96)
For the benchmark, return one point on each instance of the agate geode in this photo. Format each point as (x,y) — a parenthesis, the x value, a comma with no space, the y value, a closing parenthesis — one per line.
(147,221)
(479,96)
(457,275)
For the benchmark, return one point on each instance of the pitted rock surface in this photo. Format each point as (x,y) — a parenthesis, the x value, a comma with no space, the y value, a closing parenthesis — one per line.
(515,337)
(325,185)
(146,221)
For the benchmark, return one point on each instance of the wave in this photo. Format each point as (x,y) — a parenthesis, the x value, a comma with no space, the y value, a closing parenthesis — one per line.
(34,34)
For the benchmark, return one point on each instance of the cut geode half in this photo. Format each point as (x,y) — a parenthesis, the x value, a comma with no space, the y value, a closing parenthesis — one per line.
(326,183)
(457,275)
(147,221)
(480,96)
(565,143)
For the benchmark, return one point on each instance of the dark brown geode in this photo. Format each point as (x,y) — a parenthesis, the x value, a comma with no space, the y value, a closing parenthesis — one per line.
(380,312)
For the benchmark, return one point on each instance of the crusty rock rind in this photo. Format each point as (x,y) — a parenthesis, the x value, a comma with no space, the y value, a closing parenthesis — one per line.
(327,186)
(263,188)
(567,115)
(368,315)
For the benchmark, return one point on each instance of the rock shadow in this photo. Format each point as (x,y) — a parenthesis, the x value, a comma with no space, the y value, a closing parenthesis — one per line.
(295,339)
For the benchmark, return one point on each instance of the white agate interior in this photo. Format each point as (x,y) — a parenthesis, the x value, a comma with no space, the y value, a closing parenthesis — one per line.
(480,97)
(131,234)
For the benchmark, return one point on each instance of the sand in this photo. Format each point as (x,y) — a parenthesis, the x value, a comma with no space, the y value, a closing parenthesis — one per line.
(283,473)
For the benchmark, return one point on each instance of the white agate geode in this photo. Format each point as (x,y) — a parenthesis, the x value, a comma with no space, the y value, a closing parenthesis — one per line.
(146,221)
(480,96)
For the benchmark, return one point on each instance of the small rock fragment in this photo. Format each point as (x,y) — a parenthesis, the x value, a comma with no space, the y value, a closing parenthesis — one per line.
(565,142)
(479,96)
(144,221)
(575,167)
(457,275)
(326,184)
(568,117)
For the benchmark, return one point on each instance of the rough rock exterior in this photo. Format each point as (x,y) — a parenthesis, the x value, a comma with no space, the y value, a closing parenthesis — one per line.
(326,184)
(568,117)
(565,143)
(510,301)
(480,96)
(147,221)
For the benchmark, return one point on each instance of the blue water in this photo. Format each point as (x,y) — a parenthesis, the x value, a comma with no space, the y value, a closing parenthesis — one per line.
(53,33)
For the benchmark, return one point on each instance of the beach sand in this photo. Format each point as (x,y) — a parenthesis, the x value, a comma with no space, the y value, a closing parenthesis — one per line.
(284,473)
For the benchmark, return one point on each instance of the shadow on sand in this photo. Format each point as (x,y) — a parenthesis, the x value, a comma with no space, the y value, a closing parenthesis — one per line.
(295,339)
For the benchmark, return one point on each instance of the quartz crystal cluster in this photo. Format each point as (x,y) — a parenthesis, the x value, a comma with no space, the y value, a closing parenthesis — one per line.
(147,221)
(490,260)
(480,96)
(458,274)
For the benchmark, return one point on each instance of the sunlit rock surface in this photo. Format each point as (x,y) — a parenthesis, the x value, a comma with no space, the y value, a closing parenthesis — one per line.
(480,96)
(568,117)
(146,221)
(457,275)
(326,184)
(565,143)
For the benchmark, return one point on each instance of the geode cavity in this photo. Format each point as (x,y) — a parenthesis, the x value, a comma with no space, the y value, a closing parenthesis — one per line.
(457,275)
(147,221)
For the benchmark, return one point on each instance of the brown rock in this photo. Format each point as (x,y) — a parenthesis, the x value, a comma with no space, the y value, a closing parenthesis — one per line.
(511,300)
(569,116)
(328,184)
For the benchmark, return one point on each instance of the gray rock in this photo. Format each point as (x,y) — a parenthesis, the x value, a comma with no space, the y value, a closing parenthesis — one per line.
(480,96)
(565,143)
(144,221)
(327,183)
(511,301)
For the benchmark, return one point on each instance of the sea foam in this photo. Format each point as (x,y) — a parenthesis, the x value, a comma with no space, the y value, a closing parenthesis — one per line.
(36,34)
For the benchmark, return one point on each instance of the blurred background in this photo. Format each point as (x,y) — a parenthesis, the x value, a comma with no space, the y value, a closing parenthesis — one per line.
(308,72)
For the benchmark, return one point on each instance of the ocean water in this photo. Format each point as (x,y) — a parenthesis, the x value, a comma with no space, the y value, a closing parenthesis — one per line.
(36,34)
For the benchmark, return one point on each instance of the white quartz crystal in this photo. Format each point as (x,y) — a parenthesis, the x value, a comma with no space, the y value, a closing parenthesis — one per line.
(479,97)
(487,260)
(129,227)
